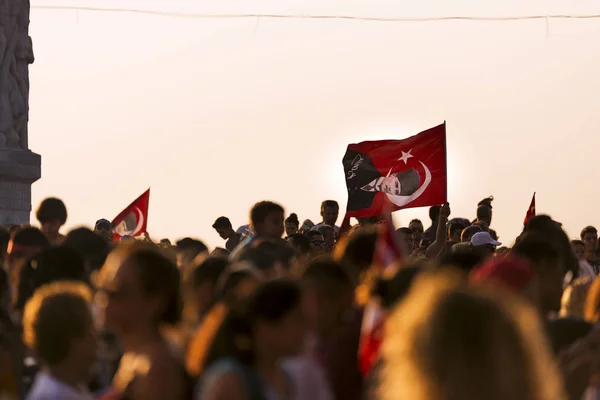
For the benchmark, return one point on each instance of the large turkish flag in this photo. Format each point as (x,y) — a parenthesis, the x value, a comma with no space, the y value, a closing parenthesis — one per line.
(404,173)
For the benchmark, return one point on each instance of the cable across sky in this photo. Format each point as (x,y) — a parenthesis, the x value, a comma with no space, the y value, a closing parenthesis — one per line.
(317,16)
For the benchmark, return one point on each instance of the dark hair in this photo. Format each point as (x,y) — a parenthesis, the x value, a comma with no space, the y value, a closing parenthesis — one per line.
(50,265)
(391,291)
(159,276)
(261,211)
(292,219)
(405,230)
(327,275)
(455,226)
(434,212)
(300,242)
(470,231)
(484,211)
(209,271)
(229,281)
(31,237)
(90,246)
(577,242)
(222,222)
(261,260)
(415,221)
(359,250)
(465,260)
(588,229)
(537,249)
(310,234)
(329,204)
(52,209)
(279,249)
(191,244)
(55,316)
(546,227)
(270,303)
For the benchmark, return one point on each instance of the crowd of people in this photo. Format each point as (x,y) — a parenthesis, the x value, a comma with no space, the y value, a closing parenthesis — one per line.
(278,312)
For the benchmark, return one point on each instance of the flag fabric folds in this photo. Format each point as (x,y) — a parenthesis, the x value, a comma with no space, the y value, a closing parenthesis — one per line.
(133,220)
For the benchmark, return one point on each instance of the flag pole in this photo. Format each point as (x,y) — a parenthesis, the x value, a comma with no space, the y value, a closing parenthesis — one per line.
(446,157)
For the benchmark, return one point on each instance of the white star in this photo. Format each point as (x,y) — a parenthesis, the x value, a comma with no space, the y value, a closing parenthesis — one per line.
(405,156)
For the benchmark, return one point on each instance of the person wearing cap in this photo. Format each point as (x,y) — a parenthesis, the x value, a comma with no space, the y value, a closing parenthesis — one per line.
(104,229)
(484,245)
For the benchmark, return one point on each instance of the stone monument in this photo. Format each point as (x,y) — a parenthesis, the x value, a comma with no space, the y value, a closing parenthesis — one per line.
(19,167)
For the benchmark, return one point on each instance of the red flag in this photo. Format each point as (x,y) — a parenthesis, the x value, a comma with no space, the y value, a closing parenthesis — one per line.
(388,249)
(132,221)
(531,211)
(406,173)
(371,337)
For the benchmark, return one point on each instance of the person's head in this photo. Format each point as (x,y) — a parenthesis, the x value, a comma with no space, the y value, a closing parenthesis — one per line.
(462,258)
(292,224)
(468,233)
(589,236)
(280,251)
(139,288)
(267,219)
(355,251)
(204,282)
(578,248)
(104,229)
(220,252)
(188,249)
(223,227)
(269,324)
(93,248)
(444,340)
(405,236)
(317,242)
(24,244)
(434,213)
(329,236)
(512,273)
(484,213)
(330,211)
(455,230)
(574,297)
(483,244)
(53,264)
(58,325)
(237,282)
(416,227)
(52,214)
(300,243)
(547,267)
(328,294)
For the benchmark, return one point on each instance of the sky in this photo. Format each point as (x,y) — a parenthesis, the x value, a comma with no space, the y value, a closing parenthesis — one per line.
(217,114)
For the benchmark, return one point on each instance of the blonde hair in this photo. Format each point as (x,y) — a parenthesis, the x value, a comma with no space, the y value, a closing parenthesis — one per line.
(448,341)
(55,314)
(574,298)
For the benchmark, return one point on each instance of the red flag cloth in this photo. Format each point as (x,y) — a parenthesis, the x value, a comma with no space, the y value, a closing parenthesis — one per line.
(132,221)
(531,211)
(388,249)
(371,337)
(406,173)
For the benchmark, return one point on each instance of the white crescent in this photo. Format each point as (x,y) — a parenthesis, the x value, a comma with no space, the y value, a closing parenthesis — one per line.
(401,201)
(140,222)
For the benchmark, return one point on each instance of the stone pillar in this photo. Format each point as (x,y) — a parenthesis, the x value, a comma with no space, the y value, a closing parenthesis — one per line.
(19,167)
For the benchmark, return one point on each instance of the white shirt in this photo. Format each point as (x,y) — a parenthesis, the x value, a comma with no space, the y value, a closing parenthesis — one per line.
(46,387)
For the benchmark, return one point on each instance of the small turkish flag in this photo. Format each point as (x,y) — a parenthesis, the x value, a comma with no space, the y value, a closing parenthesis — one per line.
(132,221)
(404,173)
(531,211)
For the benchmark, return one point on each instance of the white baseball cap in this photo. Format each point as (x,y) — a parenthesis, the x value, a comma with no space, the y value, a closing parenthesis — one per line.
(482,239)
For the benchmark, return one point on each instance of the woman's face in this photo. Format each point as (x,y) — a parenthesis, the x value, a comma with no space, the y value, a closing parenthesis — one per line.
(290,228)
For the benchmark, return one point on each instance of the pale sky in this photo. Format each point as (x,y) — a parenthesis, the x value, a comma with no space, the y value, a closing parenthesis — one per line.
(216,114)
